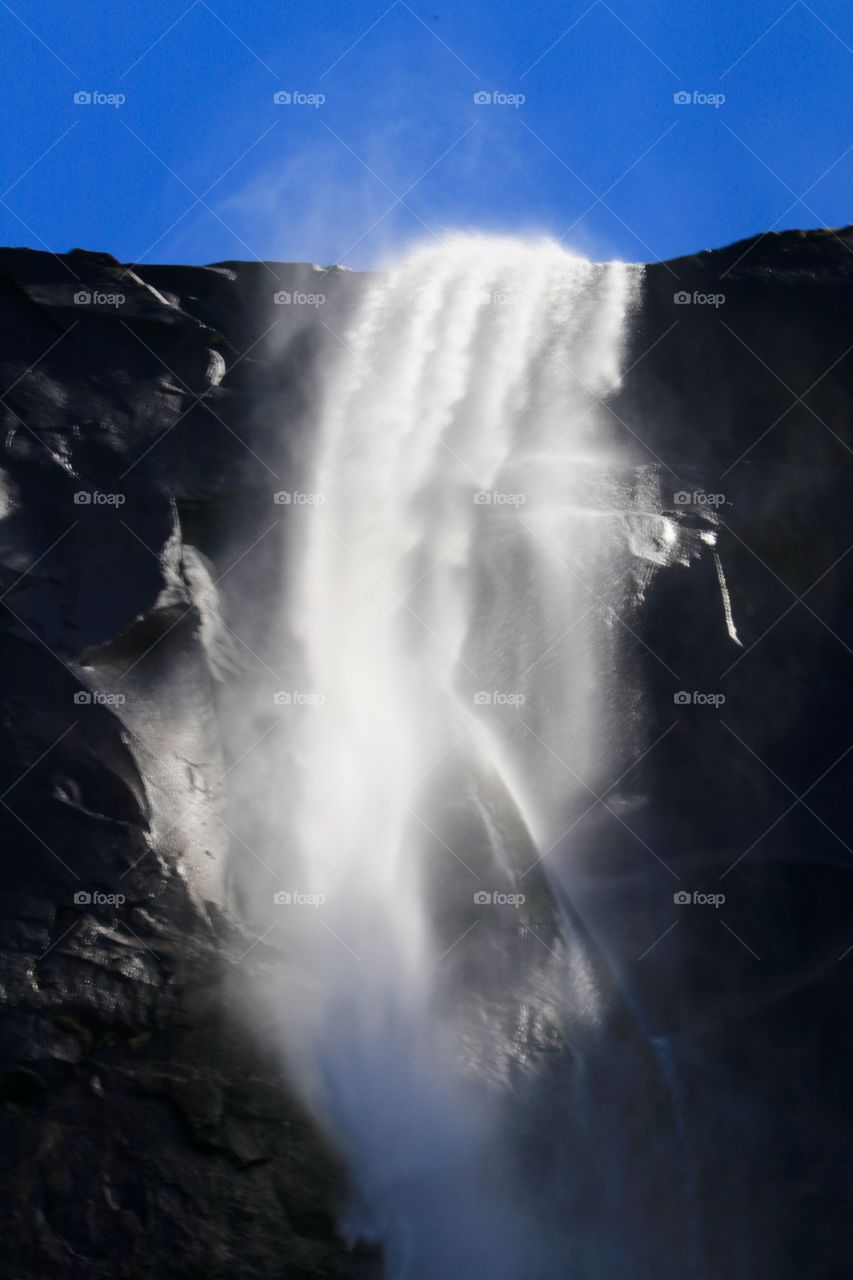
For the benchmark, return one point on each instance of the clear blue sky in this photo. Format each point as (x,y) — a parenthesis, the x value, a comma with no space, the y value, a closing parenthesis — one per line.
(598,153)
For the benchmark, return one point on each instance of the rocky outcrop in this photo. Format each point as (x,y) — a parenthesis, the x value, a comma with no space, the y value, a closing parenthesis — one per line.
(144,1132)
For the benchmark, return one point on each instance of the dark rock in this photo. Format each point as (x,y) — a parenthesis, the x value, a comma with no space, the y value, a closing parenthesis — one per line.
(144,1131)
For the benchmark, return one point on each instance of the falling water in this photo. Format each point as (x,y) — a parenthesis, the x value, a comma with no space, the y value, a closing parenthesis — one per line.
(466,540)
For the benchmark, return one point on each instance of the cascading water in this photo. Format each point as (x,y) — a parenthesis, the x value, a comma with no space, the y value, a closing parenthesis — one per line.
(455,576)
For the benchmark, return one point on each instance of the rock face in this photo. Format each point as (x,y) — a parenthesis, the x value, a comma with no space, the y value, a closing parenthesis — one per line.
(750,400)
(150,416)
(143,1133)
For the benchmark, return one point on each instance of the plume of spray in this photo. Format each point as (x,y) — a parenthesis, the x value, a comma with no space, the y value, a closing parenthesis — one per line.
(439,589)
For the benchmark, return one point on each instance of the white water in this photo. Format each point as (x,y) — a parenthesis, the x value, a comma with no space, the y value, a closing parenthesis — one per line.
(469,538)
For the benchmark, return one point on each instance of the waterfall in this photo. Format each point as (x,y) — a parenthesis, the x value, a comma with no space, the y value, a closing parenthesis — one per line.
(463,543)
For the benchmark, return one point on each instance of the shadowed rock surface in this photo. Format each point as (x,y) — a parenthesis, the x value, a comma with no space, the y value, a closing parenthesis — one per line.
(145,1131)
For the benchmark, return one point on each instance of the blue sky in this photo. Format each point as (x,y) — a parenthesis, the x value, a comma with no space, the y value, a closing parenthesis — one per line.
(199,162)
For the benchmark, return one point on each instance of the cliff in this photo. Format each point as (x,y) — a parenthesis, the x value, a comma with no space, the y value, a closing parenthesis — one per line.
(150,417)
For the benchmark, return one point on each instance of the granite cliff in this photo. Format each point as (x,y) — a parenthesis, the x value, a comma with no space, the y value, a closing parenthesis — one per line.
(150,416)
